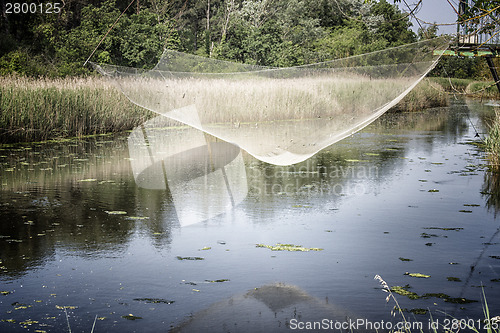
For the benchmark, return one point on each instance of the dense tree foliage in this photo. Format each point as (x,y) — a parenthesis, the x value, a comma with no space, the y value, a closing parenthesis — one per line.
(264,32)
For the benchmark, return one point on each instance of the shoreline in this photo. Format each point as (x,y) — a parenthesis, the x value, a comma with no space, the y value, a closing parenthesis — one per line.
(34,110)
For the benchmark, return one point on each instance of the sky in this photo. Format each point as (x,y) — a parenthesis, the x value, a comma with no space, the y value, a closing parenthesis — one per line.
(438,11)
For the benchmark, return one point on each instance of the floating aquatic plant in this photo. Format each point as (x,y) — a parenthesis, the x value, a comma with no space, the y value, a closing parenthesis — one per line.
(418,275)
(189,258)
(289,247)
(131,317)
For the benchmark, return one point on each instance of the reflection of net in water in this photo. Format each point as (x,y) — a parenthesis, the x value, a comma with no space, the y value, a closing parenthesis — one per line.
(204,179)
(279,115)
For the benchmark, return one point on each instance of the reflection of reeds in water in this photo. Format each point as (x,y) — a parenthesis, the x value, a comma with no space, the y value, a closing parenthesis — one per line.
(491,187)
(492,142)
(42,109)
(491,190)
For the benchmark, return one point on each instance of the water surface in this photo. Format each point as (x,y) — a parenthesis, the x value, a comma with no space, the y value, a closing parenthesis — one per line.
(154,230)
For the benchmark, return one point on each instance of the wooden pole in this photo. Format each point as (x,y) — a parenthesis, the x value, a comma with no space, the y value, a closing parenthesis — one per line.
(493,70)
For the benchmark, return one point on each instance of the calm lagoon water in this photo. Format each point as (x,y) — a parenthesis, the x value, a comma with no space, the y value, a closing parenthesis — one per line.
(153,230)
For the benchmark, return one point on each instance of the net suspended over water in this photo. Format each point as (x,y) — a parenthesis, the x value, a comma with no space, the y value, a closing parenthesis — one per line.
(279,115)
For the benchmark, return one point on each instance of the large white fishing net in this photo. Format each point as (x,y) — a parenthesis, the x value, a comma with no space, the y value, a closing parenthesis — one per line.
(279,115)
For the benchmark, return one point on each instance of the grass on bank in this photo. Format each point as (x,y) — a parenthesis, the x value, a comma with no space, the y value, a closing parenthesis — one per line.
(42,109)
(468,87)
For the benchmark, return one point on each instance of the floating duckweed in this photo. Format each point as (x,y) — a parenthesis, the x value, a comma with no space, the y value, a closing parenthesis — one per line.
(459,300)
(354,161)
(445,229)
(419,311)
(69,307)
(289,247)
(22,307)
(154,300)
(8,320)
(426,235)
(189,258)
(5,292)
(453,279)
(131,317)
(28,322)
(433,190)
(403,291)
(217,281)
(418,275)
(137,217)
(206,248)
(405,259)
(115,212)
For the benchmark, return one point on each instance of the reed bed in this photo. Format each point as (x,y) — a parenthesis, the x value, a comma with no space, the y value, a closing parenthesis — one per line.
(492,142)
(226,100)
(41,109)
(427,94)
